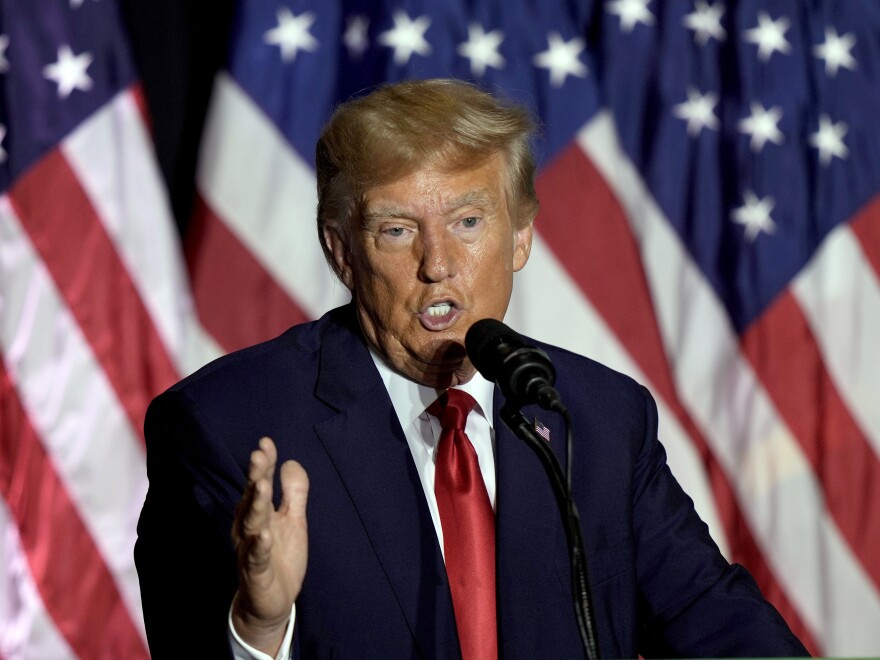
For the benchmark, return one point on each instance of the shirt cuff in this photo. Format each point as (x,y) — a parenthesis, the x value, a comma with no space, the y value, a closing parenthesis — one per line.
(242,651)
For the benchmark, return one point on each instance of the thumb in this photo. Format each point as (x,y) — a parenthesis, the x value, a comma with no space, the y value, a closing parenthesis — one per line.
(294,489)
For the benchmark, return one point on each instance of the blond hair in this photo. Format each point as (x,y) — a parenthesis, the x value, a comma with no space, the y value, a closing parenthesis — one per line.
(399,128)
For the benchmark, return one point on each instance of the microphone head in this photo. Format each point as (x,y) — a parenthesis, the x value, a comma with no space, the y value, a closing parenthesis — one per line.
(487,342)
(523,372)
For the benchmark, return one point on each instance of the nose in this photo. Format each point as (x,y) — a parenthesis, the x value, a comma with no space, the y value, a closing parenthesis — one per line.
(439,258)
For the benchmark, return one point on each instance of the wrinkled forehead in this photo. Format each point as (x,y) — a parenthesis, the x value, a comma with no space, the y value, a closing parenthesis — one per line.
(439,190)
(439,203)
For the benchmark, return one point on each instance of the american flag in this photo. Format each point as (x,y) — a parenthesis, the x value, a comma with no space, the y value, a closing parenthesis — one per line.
(710,224)
(95,319)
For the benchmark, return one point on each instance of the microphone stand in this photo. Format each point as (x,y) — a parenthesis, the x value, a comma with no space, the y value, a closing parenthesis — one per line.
(583,605)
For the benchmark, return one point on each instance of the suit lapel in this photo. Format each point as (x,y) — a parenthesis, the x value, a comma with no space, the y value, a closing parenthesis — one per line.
(367,446)
(533,575)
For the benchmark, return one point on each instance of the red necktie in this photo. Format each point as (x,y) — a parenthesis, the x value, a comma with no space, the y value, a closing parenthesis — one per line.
(468,529)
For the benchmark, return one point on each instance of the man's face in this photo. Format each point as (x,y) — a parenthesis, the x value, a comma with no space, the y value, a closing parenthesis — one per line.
(436,253)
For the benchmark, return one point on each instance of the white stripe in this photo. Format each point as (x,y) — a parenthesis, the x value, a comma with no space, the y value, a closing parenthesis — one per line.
(26,629)
(71,405)
(775,486)
(111,155)
(840,296)
(547,304)
(265,193)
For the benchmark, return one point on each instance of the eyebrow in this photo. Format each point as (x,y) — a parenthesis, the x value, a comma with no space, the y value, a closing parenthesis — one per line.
(480,196)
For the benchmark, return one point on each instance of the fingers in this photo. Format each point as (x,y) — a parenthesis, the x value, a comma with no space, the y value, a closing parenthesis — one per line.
(272,545)
(251,528)
(262,464)
(261,473)
(256,508)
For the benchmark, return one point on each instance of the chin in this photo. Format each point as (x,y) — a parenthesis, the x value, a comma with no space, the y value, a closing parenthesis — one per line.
(445,353)
(441,379)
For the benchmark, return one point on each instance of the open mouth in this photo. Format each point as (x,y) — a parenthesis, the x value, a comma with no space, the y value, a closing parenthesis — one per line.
(440,315)
(439,309)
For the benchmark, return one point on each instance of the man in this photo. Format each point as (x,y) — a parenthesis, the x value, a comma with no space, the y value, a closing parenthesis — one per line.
(426,203)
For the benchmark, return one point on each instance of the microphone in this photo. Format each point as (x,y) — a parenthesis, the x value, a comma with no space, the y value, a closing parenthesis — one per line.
(524,373)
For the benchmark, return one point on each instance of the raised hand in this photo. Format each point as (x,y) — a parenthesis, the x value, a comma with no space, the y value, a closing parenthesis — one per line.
(272,548)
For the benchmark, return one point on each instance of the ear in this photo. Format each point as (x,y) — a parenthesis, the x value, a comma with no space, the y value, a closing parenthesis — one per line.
(338,248)
(522,246)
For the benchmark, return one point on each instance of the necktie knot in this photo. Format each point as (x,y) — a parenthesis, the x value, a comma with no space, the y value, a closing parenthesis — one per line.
(452,409)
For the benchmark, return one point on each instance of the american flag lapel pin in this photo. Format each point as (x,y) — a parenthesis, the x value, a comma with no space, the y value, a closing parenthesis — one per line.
(542,430)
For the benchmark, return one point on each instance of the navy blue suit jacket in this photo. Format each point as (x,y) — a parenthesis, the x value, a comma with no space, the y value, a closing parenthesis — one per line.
(376,584)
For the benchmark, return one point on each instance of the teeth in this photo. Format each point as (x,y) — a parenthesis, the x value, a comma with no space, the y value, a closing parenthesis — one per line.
(440,309)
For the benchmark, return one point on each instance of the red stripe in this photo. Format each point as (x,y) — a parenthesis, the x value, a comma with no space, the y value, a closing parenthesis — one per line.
(866,226)
(75,585)
(238,301)
(784,353)
(585,226)
(66,231)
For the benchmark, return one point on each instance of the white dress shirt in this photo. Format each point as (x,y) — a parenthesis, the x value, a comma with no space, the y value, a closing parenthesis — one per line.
(422,430)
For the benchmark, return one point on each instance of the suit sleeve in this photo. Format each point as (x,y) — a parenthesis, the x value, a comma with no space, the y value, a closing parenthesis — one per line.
(693,602)
(184,554)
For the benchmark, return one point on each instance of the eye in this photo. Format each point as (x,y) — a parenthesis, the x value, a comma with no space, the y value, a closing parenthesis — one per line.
(470,223)
(394,232)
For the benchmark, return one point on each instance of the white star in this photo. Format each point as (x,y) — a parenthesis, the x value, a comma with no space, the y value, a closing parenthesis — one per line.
(761,125)
(69,72)
(698,111)
(829,140)
(355,37)
(562,58)
(407,37)
(292,34)
(630,12)
(2,137)
(4,44)
(481,49)
(706,22)
(754,215)
(835,51)
(769,35)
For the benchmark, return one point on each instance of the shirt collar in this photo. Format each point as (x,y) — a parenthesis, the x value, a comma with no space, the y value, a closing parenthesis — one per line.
(410,399)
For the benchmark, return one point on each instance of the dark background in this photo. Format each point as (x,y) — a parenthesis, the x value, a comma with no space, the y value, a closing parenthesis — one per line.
(178,46)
